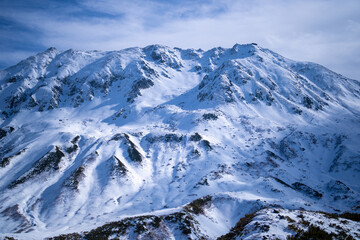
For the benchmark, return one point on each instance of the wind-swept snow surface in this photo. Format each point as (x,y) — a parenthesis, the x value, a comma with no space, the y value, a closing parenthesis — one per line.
(173,143)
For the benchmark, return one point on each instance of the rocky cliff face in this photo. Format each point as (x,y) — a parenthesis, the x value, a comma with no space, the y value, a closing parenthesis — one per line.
(93,137)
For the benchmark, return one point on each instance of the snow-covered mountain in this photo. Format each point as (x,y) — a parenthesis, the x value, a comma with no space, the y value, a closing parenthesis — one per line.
(164,143)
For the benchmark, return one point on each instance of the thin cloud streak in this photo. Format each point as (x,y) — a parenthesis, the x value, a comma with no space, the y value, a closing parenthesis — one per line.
(322,31)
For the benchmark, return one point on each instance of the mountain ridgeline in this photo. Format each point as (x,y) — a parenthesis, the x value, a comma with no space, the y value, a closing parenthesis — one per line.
(167,143)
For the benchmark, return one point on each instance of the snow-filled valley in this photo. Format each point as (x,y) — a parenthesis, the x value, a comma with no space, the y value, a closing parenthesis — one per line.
(166,143)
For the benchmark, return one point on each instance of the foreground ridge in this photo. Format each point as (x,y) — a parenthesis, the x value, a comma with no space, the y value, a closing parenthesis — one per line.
(266,222)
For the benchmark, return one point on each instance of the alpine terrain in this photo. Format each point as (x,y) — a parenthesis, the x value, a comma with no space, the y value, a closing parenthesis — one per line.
(167,143)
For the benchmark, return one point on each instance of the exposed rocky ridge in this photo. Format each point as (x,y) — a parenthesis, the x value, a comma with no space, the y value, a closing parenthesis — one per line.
(262,221)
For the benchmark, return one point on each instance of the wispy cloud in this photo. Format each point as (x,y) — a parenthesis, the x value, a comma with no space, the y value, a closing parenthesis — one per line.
(323,31)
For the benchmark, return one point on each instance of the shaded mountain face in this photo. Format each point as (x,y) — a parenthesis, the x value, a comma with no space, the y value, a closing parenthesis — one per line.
(92,137)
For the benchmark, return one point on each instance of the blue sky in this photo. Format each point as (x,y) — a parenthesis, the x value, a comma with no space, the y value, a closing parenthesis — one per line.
(322,31)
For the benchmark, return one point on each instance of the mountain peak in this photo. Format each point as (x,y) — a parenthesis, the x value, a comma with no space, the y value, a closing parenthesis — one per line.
(245,50)
(51,49)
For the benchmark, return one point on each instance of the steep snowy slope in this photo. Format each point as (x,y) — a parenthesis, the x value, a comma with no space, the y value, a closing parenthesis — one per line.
(89,138)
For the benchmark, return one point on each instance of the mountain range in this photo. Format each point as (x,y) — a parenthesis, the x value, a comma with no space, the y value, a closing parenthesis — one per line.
(170,143)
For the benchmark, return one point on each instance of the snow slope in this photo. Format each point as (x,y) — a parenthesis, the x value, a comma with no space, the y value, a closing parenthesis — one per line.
(91,137)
